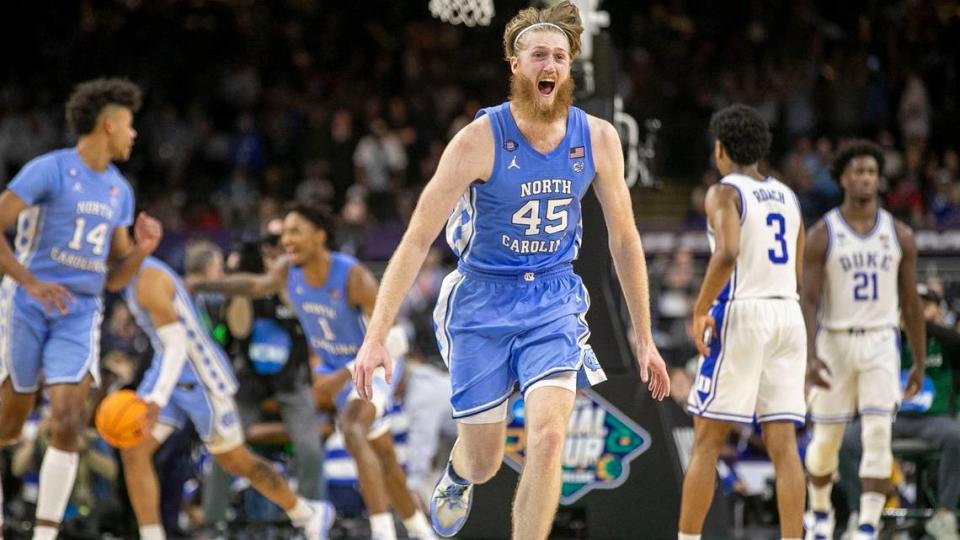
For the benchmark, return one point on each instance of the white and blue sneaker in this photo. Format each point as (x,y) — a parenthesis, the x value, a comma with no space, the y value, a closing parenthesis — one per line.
(819,525)
(320,522)
(450,505)
(865,532)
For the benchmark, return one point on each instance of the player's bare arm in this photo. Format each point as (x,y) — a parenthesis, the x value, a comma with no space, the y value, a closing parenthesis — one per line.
(245,284)
(362,289)
(155,292)
(468,158)
(723,214)
(361,292)
(126,256)
(911,308)
(814,267)
(53,296)
(626,249)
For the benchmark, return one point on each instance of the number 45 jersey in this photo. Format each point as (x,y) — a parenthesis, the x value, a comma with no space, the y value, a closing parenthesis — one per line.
(526,217)
(770,223)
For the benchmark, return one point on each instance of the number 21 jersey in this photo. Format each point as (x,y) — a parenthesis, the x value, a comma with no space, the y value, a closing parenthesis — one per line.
(770,223)
(860,287)
(526,216)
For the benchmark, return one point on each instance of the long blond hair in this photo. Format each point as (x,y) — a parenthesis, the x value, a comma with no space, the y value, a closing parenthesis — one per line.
(564,16)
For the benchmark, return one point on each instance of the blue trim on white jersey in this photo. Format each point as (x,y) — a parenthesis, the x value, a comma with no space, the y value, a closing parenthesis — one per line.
(878,218)
(830,233)
(743,203)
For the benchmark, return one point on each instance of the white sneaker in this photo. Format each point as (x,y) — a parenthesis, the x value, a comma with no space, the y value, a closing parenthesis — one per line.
(319,524)
(818,528)
(942,526)
(426,535)
(865,535)
(852,523)
(450,506)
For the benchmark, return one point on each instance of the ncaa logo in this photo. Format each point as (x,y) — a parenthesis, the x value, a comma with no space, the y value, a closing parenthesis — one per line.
(601,442)
(509,145)
(578,166)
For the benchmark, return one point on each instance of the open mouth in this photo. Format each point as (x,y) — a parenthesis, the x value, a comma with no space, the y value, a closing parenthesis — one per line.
(546,86)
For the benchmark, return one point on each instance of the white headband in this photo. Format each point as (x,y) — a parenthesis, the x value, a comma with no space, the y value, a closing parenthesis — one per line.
(535,26)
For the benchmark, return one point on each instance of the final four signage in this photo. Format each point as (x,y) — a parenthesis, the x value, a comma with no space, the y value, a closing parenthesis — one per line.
(601,443)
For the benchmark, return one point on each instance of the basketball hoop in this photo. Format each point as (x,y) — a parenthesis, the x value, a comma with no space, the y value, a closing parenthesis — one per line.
(466,12)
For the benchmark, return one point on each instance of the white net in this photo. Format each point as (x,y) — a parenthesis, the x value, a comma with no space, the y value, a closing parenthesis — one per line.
(467,12)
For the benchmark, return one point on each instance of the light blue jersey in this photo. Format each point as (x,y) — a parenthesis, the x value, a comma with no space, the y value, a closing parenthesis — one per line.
(334,328)
(64,234)
(207,364)
(527,215)
(513,313)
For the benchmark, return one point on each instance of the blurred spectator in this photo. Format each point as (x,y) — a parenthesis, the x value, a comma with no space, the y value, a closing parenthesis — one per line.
(380,158)
(416,312)
(914,111)
(336,147)
(697,213)
(674,302)
(386,229)
(905,203)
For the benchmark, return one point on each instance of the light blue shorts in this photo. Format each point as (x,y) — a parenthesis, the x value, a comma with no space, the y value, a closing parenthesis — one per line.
(214,416)
(61,348)
(501,332)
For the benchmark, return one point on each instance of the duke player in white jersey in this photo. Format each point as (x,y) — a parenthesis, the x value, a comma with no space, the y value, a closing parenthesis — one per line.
(754,349)
(859,276)
(512,314)
(190,378)
(73,207)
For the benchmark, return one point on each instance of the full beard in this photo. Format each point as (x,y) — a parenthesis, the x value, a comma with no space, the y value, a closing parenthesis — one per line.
(526,98)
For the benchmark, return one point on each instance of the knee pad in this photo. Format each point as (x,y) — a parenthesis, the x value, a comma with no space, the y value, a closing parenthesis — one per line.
(824,449)
(877,460)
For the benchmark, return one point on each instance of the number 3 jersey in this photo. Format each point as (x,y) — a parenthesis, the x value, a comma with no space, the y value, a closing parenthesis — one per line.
(526,216)
(860,285)
(770,223)
(64,233)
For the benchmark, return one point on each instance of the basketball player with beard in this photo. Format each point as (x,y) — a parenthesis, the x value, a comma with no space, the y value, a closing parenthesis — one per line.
(512,315)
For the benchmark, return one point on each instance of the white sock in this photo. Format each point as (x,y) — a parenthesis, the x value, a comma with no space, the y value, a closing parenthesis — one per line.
(684,536)
(57,474)
(300,512)
(42,532)
(820,497)
(381,526)
(417,525)
(152,532)
(871,506)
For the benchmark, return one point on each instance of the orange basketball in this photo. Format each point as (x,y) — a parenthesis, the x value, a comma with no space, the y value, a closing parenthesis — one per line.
(120,419)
